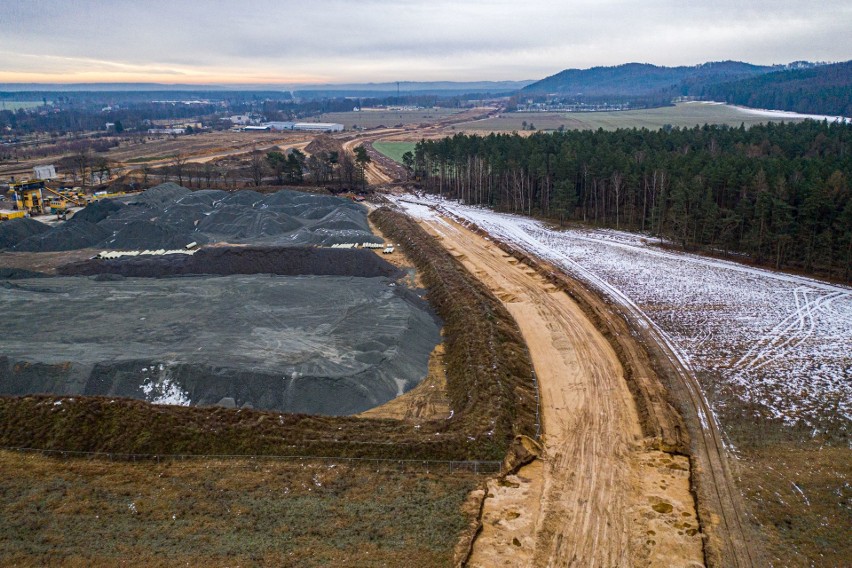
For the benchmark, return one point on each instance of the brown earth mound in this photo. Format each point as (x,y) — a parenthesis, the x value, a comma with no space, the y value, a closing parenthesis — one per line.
(324,144)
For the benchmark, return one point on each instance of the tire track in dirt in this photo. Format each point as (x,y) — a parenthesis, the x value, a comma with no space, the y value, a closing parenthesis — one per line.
(589,503)
(730,538)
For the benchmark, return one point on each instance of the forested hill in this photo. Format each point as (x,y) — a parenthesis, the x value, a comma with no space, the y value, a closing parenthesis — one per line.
(639,79)
(779,193)
(826,89)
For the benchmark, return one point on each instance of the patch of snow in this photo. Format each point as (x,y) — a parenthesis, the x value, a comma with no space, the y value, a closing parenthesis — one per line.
(777,340)
(164,392)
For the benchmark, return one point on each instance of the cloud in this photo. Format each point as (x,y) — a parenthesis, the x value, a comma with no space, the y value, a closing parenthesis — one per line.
(378,40)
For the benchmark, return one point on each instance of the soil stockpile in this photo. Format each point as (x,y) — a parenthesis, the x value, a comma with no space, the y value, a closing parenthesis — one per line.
(16,230)
(224,261)
(320,345)
(170,216)
(324,144)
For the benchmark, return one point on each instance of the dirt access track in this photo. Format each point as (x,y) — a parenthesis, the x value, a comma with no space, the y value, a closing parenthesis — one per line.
(603,493)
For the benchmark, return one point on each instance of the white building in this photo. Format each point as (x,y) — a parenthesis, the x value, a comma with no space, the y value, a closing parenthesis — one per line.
(318,126)
(307,126)
(166,130)
(280,125)
(44,172)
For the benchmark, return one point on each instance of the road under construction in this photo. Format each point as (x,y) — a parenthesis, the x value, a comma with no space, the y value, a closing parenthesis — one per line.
(612,485)
(620,478)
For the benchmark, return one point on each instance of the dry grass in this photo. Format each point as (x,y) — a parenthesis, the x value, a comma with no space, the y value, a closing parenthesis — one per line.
(797,481)
(685,115)
(376,118)
(802,498)
(228,513)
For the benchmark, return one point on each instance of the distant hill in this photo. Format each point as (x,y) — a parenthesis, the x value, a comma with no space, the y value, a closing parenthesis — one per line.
(448,88)
(826,89)
(640,79)
(408,88)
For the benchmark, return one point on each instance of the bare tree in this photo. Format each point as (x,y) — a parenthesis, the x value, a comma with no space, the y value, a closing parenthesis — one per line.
(81,163)
(146,171)
(179,167)
(209,170)
(256,167)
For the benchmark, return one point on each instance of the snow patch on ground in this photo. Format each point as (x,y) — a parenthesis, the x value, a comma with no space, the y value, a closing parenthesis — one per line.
(778,341)
(165,392)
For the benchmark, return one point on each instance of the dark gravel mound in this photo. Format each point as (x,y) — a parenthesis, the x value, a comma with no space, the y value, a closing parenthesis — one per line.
(233,223)
(140,235)
(225,261)
(305,344)
(67,236)
(16,230)
(97,211)
(19,273)
(170,216)
(159,196)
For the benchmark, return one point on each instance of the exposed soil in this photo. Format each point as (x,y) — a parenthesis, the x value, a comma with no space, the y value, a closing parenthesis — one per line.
(589,503)
(427,401)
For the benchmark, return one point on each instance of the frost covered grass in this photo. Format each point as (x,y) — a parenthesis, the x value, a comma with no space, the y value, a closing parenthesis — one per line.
(234,513)
(774,343)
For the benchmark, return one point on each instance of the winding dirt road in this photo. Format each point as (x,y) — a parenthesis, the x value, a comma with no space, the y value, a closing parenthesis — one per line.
(601,496)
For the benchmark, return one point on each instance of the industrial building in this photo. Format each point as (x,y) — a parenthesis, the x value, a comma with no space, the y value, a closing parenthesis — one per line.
(306,126)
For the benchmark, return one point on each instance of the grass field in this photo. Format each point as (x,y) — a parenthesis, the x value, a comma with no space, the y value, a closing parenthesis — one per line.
(683,115)
(15,105)
(82,512)
(376,118)
(394,150)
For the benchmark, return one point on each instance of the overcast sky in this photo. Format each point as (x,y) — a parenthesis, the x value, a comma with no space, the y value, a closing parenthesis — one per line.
(284,41)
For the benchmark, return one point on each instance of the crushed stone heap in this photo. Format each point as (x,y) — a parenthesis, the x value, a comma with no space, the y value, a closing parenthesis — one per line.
(169,216)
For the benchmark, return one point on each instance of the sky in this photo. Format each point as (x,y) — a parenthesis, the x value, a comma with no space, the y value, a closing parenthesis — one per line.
(343,41)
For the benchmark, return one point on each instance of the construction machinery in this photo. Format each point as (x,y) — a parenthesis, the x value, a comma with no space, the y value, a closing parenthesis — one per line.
(35,197)
(28,196)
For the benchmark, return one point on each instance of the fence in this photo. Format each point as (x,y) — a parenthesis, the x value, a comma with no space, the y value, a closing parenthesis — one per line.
(389,464)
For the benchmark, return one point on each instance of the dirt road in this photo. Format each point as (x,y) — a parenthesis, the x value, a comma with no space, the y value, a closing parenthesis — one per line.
(375,175)
(600,496)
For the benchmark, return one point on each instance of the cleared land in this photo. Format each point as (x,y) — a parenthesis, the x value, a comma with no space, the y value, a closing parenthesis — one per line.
(636,503)
(155,151)
(226,513)
(684,115)
(394,150)
(389,118)
(769,350)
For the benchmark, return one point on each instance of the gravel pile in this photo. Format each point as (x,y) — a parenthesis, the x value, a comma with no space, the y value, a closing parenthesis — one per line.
(170,216)
(329,345)
(16,230)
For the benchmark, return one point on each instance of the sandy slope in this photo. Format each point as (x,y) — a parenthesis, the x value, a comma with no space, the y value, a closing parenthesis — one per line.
(599,497)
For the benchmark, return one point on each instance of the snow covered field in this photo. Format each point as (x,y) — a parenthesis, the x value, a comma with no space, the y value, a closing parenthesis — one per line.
(779,343)
(776,114)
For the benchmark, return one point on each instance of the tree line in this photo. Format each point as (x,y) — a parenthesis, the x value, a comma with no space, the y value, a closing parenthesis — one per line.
(826,89)
(778,193)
